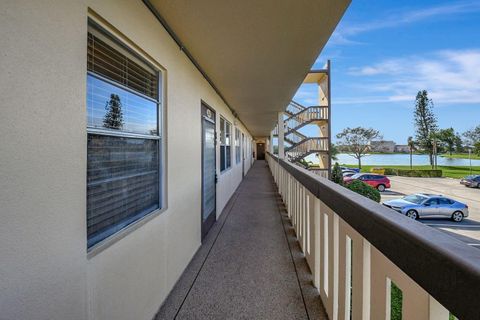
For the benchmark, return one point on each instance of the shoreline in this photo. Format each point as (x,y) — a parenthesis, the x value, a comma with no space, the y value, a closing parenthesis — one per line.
(456,172)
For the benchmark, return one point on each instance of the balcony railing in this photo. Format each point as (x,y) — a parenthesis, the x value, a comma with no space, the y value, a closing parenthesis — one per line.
(357,249)
(319,171)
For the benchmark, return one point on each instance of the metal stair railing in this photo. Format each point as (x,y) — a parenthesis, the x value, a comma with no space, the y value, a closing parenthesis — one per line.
(295,137)
(294,108)
(305,117)
(307,147)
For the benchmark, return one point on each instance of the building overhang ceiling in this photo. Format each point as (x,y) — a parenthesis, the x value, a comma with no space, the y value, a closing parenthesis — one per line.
(315,76)
(255,53)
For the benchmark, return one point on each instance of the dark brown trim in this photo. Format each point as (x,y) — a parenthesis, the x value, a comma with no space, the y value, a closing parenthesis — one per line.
(329,111)
(320,70)
(445,267)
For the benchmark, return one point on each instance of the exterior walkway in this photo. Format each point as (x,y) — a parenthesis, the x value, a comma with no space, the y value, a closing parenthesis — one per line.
(250,265)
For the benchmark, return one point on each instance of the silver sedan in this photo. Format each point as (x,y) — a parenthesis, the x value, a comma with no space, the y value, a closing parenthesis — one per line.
(422,205)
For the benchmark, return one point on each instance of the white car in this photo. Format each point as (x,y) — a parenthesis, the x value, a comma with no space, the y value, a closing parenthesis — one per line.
(347,173)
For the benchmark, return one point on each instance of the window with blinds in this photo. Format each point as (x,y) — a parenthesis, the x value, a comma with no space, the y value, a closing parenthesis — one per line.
(107,58)
(225,144)
(124,141)
(237,146)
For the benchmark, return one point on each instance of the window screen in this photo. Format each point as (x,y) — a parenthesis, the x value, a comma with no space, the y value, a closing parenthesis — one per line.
(124,142)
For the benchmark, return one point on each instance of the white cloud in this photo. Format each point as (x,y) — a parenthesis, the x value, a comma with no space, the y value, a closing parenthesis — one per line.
(338,38)
(344,32)
(449,76)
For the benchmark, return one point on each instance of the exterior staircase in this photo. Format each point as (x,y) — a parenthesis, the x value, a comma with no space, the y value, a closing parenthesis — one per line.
(300,146)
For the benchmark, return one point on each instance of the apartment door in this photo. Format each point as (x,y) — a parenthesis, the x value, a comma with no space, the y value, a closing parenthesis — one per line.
(209,174)
(260,151)
(243,155)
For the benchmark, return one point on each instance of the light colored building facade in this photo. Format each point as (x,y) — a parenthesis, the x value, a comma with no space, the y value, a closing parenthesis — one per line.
(90,84)
(127,126)
(402,148)
(382,146)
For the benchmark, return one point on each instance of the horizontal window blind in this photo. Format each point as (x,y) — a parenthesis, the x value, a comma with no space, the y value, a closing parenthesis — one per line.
(225,142)
(112,61)
(237,146)
(123,149)
(122,182)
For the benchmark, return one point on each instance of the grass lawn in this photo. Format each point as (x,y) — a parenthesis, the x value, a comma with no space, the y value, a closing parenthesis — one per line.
(396,303)
(448,171)
(461,156)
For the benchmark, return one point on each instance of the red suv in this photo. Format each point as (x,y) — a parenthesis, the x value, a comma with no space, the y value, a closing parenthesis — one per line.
(375,180)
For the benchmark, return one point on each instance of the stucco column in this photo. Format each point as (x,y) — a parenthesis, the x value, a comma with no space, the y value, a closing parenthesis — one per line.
(270,145)
(281,134)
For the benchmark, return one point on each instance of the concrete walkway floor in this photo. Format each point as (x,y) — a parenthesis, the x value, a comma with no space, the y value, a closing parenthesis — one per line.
(249,265)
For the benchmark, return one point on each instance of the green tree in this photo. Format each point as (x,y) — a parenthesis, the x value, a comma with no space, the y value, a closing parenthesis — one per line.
(459,147)
(448,138)
(411,147)
(305,163)
(357,141)
(334,151)
(337,175)
(113,119)
(425,123)
(473,138)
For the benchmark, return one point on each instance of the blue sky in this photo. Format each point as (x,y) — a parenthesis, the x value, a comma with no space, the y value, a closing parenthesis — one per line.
(384,52)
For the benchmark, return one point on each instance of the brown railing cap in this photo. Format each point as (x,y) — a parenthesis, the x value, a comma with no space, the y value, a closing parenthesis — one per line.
(445,267)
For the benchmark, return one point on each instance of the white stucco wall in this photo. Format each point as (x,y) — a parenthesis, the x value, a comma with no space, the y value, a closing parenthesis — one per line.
(44,270)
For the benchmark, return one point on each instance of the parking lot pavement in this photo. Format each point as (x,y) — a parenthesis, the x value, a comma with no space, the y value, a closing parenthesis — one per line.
(469,229)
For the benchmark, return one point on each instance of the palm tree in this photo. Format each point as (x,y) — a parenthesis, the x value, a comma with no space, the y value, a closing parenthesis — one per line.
(411,146)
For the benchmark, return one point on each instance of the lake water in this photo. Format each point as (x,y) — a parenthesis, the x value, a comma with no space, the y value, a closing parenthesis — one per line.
(403,159)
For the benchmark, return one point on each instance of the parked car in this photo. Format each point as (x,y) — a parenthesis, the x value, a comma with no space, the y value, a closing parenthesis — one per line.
(348,173)
(378,181)
(356,170)
(471,181)
(422,205)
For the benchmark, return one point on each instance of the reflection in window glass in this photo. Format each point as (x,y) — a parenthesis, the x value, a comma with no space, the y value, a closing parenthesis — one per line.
(111,107)
(122,183)
(225,147)
(237,146)
(123,150)
(228,133)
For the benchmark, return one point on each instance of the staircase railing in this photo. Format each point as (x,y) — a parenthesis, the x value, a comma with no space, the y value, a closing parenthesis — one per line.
(295,137)
(308,146)
(305,117)
(298,117)
(294,107)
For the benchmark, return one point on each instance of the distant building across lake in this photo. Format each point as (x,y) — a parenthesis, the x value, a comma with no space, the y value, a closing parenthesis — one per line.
(387,146)
(382,146)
